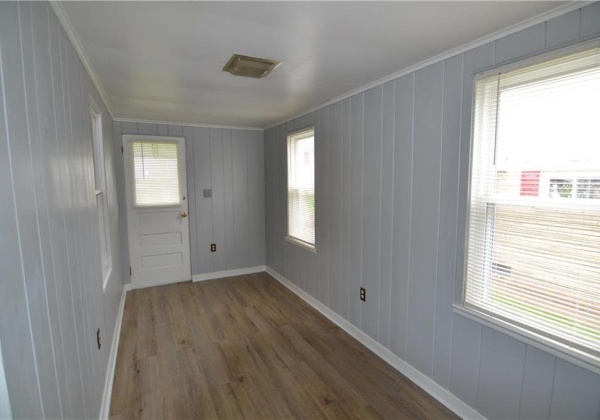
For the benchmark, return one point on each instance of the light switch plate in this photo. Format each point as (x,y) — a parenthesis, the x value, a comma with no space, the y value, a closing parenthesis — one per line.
(207,193)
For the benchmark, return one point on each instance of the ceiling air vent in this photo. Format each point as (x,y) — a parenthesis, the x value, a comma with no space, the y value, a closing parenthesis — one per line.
(242,65)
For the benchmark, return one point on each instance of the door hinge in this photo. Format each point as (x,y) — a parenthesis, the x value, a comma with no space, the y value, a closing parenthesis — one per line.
(122,151)
(130,271)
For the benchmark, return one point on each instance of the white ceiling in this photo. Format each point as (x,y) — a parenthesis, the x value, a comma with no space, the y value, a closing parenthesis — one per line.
(162,61)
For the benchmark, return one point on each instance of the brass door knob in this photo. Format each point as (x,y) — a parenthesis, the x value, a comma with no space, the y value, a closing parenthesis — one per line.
(183,214)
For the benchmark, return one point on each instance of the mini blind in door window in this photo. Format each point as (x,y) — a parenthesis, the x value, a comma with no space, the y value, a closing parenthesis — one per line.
(533,255)
(301,187)
(156,173)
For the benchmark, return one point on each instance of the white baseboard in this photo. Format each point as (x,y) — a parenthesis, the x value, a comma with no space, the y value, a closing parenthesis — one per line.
(229,273)
(436,391)
(112,357)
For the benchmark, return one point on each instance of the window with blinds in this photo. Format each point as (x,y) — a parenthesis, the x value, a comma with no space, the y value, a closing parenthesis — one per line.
(533,256)
(156,173)
(301,187)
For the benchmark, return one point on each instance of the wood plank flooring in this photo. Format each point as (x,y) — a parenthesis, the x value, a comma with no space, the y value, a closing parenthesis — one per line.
(246,347)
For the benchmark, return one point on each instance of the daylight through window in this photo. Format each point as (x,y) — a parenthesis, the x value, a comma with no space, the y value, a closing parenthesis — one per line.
(533,258)
(301,187)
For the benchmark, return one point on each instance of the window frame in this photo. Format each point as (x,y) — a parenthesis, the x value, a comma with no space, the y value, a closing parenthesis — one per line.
(290,137)
(101,192)
(529,335)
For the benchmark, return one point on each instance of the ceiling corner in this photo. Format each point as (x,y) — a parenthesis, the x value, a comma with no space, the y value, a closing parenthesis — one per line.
(63,17)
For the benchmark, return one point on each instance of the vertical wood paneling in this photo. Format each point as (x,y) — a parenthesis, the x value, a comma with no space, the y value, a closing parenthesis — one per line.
(43,153)
(356,205)
(39,103)
(62,194)
(268,150)
(575,394)
(78,173)
(175,130)
(335,199)
(147,128)
(260,233)
(447,225)
(129,127)
(18,354)
(345,213)
(563,29)
(521,43)
(590,20)
(403,158)
(403,164)
(204,210)
(240,199)
(228,197)
(500,375)
(188,134)
(254,198)
(218,198)
(54,302)
(310,260)
(466,342)
(371,216)
(20,100)
(162,129)
(387,212)
(538,380)
(425,217)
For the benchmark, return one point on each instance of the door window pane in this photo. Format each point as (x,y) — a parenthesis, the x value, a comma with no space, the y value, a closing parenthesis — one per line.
(156,173)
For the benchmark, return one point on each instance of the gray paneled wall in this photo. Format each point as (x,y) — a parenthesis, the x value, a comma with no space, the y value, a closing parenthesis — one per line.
(231,163)
(392,173)
(51,296)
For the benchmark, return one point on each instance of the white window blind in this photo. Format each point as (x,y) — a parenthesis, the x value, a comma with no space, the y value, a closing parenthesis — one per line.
(301,187)
(156,173)
(533,257)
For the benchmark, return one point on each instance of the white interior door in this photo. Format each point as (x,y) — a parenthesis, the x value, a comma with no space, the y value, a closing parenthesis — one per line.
(156,191)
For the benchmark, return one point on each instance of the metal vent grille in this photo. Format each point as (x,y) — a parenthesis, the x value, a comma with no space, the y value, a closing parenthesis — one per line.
(242,65)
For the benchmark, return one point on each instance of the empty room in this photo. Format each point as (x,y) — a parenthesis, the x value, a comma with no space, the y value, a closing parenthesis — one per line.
(300,210)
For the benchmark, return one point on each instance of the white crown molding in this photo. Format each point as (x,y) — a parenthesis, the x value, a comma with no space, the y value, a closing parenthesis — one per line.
(61,13)
(550,14)
(230,127)
(438,392)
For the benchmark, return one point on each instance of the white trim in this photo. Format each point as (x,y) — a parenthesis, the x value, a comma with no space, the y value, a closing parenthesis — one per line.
(157,283)
(64,20)
(436,391)
(229,273)
(301,244)
(112,357)
(230,127)
(562,351)
(527,23)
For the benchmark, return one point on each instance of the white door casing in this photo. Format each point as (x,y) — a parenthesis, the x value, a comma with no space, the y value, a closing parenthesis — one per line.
(158,234)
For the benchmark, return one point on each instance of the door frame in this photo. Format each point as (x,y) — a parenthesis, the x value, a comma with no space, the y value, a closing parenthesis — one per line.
(126,139)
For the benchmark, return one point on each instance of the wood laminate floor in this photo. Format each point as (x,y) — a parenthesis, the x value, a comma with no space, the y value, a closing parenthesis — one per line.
(246,347)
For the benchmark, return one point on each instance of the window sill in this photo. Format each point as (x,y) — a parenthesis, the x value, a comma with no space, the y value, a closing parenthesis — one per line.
(301,244)
(573,355)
